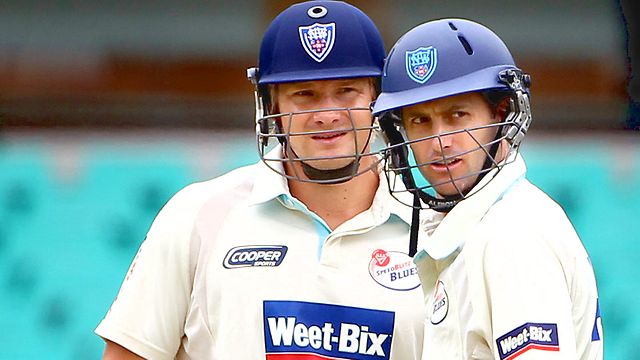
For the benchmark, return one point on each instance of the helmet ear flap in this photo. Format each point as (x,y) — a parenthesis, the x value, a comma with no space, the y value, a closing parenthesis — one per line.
(518,118)
(389,121)
(265,99)
(398,153)
(262,104)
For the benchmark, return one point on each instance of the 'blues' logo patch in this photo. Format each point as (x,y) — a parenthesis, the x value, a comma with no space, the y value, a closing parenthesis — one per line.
(305,330)
(317,39)
(440,306)
(393,270)
(421,63)
(246,256)
(527,337)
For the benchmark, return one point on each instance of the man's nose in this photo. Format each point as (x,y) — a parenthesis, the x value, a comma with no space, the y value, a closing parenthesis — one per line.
(328,116)
(441,139)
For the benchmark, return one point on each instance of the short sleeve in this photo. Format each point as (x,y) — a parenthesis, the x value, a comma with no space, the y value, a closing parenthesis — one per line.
(149,312)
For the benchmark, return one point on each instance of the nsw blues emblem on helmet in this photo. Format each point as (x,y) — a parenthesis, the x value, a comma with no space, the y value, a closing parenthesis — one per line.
(421,63)
(317,39)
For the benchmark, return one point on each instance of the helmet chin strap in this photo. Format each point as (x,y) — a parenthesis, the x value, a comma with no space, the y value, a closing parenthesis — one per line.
(415,224)
(339,175)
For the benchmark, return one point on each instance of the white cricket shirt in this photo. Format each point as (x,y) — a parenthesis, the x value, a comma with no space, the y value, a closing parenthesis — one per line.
(236,268)
(505,276)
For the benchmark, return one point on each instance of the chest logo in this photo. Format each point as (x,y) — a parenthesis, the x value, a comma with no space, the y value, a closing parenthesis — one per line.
(393,270)
(249,256)
(305,331)
(440,307)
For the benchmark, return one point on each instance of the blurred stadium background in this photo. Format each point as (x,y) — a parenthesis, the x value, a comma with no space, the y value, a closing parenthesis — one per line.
(107,108)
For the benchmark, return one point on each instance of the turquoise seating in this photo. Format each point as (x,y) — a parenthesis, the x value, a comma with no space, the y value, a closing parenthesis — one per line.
(68,232)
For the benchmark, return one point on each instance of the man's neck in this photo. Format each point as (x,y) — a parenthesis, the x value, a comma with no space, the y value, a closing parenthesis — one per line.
(336,204)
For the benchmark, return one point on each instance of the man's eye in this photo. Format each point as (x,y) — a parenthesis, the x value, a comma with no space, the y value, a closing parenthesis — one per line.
(459,114)
(419,120)
(347,90)
(303,93)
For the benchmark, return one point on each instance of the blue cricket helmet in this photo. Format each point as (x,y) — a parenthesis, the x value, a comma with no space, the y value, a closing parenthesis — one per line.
(320,40)
(315,40)
(438,59)
(434,60)
(442,58)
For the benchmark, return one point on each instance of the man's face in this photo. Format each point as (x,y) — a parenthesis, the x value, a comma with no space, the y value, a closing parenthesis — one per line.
(340,135)
(465,151)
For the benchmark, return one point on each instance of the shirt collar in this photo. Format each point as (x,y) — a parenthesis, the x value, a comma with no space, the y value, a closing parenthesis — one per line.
(384,204)
(452,230)
(268,183)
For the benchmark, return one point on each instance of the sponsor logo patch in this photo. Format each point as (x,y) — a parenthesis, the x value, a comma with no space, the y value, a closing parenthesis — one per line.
(304,330)
(393,270)
(318,39)
(248,256)
(440,307)
(421,63)
(527,337)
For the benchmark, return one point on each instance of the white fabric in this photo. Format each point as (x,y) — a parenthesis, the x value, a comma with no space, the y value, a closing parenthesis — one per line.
(505,276)
(185,297)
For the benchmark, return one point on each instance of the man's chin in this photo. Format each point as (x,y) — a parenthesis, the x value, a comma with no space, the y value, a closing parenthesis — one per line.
(330,160)
(328,165)
(451,190)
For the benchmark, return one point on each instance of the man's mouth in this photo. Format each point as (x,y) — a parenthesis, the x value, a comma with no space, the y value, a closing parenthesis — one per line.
(328,136)
(445,164)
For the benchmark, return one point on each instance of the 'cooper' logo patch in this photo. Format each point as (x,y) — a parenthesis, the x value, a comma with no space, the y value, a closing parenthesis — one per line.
(247,256)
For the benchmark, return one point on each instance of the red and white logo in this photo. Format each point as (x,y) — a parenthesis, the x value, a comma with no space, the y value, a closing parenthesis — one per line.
(381,257)
(440,305)
(393,270)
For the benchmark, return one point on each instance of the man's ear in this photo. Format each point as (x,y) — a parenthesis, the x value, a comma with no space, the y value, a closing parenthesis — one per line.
(502,108)
(273,98)
(375,87)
